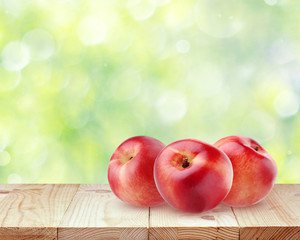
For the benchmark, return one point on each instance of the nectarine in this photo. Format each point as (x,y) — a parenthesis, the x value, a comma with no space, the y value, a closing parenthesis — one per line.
(192,175)
(130,171)
(254,170)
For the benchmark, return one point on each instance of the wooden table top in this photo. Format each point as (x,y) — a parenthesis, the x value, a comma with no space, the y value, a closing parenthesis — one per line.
(91,211)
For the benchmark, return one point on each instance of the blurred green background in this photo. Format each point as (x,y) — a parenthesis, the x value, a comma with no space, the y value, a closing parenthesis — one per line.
(79,77)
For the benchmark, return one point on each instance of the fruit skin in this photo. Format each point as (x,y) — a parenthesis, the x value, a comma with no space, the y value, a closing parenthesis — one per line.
(254,170)
(198,187)
(132,180)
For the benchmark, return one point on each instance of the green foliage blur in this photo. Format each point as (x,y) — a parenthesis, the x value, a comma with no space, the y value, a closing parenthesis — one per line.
(79,77)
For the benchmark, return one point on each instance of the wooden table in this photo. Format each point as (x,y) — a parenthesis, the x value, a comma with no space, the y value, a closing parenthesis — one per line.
(70,211)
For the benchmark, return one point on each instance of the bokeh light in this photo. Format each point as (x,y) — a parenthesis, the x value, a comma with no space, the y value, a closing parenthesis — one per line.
(40,43)
(172,106)
(91,30)
(79,77)
(15,56)
(141,9)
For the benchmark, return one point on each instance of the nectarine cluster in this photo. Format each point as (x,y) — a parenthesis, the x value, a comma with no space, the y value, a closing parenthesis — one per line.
(191,175)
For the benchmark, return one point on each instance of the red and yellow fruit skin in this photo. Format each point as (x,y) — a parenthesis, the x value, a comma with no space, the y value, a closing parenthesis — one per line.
(254,170)
(200,186)
(132,180)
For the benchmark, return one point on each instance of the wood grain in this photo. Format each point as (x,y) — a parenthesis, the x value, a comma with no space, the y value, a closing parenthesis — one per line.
(5,189)
(276,217)
(91,211)
(96,213)
(34,211)
(168,223)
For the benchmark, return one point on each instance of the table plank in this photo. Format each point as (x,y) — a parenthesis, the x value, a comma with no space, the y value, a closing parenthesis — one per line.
(276,217)
(96,213)
(33,211)
(168,223)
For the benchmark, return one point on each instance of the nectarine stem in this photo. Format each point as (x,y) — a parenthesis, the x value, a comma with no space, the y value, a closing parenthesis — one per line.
(185,163)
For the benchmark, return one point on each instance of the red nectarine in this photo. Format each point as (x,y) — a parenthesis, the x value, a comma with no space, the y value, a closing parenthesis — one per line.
(130,171)
(254,170)
(192,175)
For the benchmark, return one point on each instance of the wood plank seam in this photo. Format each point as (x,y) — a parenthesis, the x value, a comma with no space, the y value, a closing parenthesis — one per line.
(148,227)
(239,226)
(78,185)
